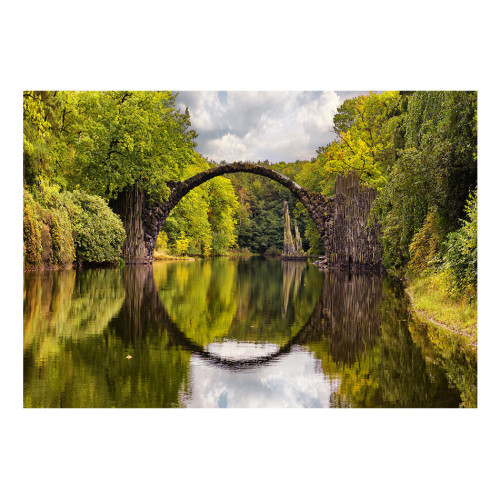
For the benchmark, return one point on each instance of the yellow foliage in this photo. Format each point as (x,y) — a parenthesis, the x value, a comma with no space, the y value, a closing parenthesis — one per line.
(424,246)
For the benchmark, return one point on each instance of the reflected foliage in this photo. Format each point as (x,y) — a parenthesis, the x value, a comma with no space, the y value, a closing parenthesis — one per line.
(457,357)
(79,328)
(254,300)
(199,296)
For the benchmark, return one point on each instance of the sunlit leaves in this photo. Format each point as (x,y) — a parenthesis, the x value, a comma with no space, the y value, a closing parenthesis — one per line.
(365,137)
(126,139)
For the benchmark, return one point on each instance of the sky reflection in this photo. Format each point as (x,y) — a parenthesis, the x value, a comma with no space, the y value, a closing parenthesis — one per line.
(295,381)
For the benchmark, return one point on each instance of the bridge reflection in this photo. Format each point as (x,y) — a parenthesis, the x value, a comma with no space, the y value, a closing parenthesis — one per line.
(346,316)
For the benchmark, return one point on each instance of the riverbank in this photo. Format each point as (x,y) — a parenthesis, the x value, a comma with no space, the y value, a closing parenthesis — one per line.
(433,305)
(158,255)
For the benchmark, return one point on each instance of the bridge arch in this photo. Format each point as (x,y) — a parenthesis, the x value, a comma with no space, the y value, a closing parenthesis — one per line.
(154,216)
(180,189)
(342,220)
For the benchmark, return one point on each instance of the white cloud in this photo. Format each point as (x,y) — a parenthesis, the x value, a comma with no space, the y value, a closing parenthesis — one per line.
(229,146)
(235,126)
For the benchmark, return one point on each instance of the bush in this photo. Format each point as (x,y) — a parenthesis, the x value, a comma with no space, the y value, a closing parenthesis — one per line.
(162,242)
(273,252)
(98,232)
(461,254)
(182,244)
(221,241)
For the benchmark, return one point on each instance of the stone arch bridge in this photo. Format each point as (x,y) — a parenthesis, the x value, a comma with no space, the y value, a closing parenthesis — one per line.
(342,220)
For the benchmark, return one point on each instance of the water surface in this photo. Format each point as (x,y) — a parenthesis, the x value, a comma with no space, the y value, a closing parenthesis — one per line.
(234,333)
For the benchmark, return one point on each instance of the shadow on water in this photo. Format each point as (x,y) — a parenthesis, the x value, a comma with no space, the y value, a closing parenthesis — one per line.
(226,324)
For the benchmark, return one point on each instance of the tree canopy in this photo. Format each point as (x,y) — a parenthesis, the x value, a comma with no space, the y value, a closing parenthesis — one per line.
(129,139)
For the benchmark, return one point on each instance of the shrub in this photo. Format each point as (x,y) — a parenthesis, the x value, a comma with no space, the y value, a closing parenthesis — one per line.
(221,241)
(98,232)
(461,253)
(32,238)
(273,252)
(47,235)
(162,242)
(47,253)
(63,247)
(182,244)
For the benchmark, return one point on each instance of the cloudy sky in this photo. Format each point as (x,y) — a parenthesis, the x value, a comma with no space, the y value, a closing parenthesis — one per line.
(258,125)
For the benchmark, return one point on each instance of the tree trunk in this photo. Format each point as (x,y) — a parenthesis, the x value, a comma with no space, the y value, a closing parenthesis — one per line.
(129,206)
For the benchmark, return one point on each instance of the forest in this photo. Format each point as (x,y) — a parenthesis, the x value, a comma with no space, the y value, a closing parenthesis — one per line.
(418,149)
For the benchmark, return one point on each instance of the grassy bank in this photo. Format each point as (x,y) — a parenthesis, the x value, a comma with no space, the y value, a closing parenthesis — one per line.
(433,304)
(160,255)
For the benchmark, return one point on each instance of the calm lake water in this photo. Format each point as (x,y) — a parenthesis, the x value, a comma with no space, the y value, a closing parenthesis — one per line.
(234,333)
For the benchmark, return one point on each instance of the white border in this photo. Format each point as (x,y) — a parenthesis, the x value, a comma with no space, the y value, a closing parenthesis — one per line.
(222,45)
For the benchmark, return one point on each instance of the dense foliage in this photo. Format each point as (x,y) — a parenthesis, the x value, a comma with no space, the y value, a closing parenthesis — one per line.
(47,231)
(97,231)
(435,170)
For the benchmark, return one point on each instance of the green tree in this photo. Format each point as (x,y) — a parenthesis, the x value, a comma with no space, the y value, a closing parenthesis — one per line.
(222,212)
(365,129)
(435,171)
(127,146)
(125,140)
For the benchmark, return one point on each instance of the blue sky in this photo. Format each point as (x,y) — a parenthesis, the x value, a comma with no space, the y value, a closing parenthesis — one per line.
(262,125)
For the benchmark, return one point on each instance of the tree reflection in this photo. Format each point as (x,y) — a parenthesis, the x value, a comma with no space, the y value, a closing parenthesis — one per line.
(79,328)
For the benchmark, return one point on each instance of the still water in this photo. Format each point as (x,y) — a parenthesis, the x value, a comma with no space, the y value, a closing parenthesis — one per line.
(234,333)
